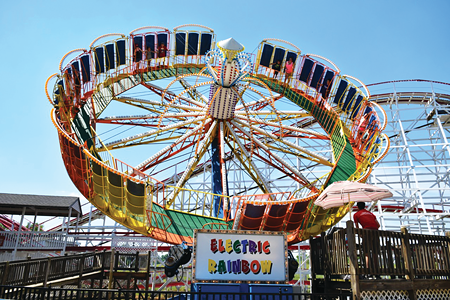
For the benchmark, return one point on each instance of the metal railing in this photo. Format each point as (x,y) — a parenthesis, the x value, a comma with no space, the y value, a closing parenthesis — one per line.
(34,239)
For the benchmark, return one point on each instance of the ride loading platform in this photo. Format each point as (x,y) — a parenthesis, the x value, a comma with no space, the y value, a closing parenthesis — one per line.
(376,264)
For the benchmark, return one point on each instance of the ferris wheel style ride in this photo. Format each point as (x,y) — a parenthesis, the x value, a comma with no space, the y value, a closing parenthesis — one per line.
(170,131)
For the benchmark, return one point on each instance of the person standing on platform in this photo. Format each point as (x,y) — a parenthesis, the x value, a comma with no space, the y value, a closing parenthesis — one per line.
(161,52)
(326,88)
(148,57)
(276,67)
(137,55)
(289,70)
(367,220)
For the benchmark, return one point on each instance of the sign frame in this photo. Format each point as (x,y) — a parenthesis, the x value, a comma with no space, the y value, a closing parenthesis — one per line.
(256,234)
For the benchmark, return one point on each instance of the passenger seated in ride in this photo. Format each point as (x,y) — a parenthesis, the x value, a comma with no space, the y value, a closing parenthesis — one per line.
(276,67)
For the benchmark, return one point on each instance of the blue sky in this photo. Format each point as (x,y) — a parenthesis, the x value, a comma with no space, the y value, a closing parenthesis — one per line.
(372,40)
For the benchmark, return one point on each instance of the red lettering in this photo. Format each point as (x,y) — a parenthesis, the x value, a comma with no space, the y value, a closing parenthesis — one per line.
(255,266)
(259,246)
(213,245)
(245,267)
(221,247)
(266,246)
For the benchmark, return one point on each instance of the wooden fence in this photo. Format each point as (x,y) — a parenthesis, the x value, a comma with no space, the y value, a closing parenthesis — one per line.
(73,268)
(351,258)
(35,271)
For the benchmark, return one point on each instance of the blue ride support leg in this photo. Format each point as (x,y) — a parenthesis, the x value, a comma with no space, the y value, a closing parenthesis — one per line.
(216,178)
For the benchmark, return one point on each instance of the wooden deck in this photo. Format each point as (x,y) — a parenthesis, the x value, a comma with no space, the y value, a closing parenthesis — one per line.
(368,262)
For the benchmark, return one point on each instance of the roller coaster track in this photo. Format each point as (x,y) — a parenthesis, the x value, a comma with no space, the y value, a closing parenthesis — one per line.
(84,219)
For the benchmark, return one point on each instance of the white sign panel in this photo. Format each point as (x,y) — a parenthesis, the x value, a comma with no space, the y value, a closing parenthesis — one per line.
(240,256)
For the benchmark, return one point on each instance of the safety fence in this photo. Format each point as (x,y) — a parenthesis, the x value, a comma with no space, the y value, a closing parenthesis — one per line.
(359,258)
(44,270)
(384,253)
(13,292)
(51,270)
(34,239)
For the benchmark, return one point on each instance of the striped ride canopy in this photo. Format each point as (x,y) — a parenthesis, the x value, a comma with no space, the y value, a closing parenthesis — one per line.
(342,192)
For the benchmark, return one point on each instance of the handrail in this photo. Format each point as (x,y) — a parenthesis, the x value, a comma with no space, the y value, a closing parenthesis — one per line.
(41,271)
(428,253)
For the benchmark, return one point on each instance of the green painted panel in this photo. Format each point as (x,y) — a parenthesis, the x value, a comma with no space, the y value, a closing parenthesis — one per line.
(182,223)
(346,165)
(186,223)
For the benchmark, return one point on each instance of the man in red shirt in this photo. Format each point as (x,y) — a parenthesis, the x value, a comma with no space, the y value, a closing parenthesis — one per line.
(368,221)
(365,218)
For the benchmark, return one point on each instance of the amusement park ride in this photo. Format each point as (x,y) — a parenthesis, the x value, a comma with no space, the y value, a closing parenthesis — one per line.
(167,132)
(180,138)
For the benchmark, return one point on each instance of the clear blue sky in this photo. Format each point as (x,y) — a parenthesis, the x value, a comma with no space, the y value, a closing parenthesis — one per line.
(372,40)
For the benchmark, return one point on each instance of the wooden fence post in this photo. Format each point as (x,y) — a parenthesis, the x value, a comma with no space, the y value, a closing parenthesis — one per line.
(354,276)
(147,276)
(136,265)
(406,251)
(313,265)
(47,271)
(111,269)
(102,274)
(80,274)
(325,262)
(5,275)
(26,272)
(447,234)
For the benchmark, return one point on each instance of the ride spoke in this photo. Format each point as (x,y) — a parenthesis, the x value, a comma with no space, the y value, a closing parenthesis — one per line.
(139,102)
(169,96)
(161,152)
(301,177)
(258,104)
(147,120)
(141,137)
(195,94)
(246,156)
(309,155)
(312,133)
(204,144)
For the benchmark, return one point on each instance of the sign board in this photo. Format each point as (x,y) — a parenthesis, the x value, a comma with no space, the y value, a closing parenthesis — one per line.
(240,256)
